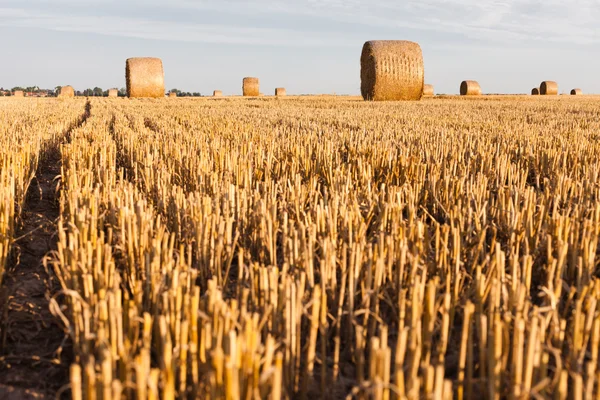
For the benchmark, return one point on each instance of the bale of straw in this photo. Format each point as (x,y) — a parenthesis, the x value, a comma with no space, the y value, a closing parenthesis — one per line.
(391,70)
(280,91)
(217,93)
(67,91)
(145,77)
(113,93)
(535,91)
(576,92)
(428,90)
(470,88)
(549,88)
(172,95)
(250,87)
(18,93)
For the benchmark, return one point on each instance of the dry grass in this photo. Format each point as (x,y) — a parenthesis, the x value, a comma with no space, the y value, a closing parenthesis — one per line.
(470,88)
(145,77)
(250,87)
(549,88)
(391,70)
(329,248)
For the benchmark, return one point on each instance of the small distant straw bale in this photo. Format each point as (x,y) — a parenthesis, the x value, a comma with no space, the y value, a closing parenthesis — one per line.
(250,87)
(428,90)
(217,93)
(18,93)
(535,91)
(280,91)
(548,88)
(172,95)
(576,92)
(391,70)
(145,77)
(67,91)
(470,88)
(113,93)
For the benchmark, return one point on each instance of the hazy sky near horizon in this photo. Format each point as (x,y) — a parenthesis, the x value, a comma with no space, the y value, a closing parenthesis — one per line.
(307,46)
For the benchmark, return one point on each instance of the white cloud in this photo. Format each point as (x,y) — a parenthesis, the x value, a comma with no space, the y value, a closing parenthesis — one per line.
(165,30)
(507,21)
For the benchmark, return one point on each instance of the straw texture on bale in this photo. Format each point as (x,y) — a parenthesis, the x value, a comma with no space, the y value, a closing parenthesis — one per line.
(250,87)
(391,70)
(470,88)
(548,88)
(145,77)
(428,90)
(535,91)
(113,93)
(576,92)
(18,93)
(172,94)
(280,91)
(67,91)
(217,93)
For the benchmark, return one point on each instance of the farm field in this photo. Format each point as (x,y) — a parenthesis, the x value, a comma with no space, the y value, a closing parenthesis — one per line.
(306,247)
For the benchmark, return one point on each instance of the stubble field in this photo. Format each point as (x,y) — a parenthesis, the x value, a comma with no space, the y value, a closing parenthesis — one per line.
(300,248)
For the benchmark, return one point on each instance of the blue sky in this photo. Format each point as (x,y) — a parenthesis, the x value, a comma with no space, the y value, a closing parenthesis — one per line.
(307,46)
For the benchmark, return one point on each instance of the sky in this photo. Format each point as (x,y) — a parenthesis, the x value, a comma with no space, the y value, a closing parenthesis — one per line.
(306,46)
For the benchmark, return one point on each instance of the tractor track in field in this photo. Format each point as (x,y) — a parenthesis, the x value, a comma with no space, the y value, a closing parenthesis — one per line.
(35,348)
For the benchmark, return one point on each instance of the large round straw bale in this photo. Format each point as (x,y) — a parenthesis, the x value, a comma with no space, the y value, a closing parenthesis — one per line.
(576,92)
(548,88)
(67,91)
(217,93)
(428,90)
(250,87)
(113,93)
(18,93)
(470,88)
(391,70)
(145,77)
(535,91)
(280,91)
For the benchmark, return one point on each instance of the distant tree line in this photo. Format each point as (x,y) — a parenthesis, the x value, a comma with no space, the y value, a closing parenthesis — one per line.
(180,93)
(95,92)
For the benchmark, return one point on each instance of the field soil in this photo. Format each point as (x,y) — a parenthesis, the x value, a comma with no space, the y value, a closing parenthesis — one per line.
(34,363)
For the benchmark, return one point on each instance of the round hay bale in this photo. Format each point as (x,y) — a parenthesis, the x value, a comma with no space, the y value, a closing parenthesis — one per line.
(280,91)
(391,70)
(470,88)
(145,77)
(250,87)
(217,93)
(18,93)
(549,88)
(576,92)
(535,91)
(428,90)
(172,95)
(67,91)
(113,93)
